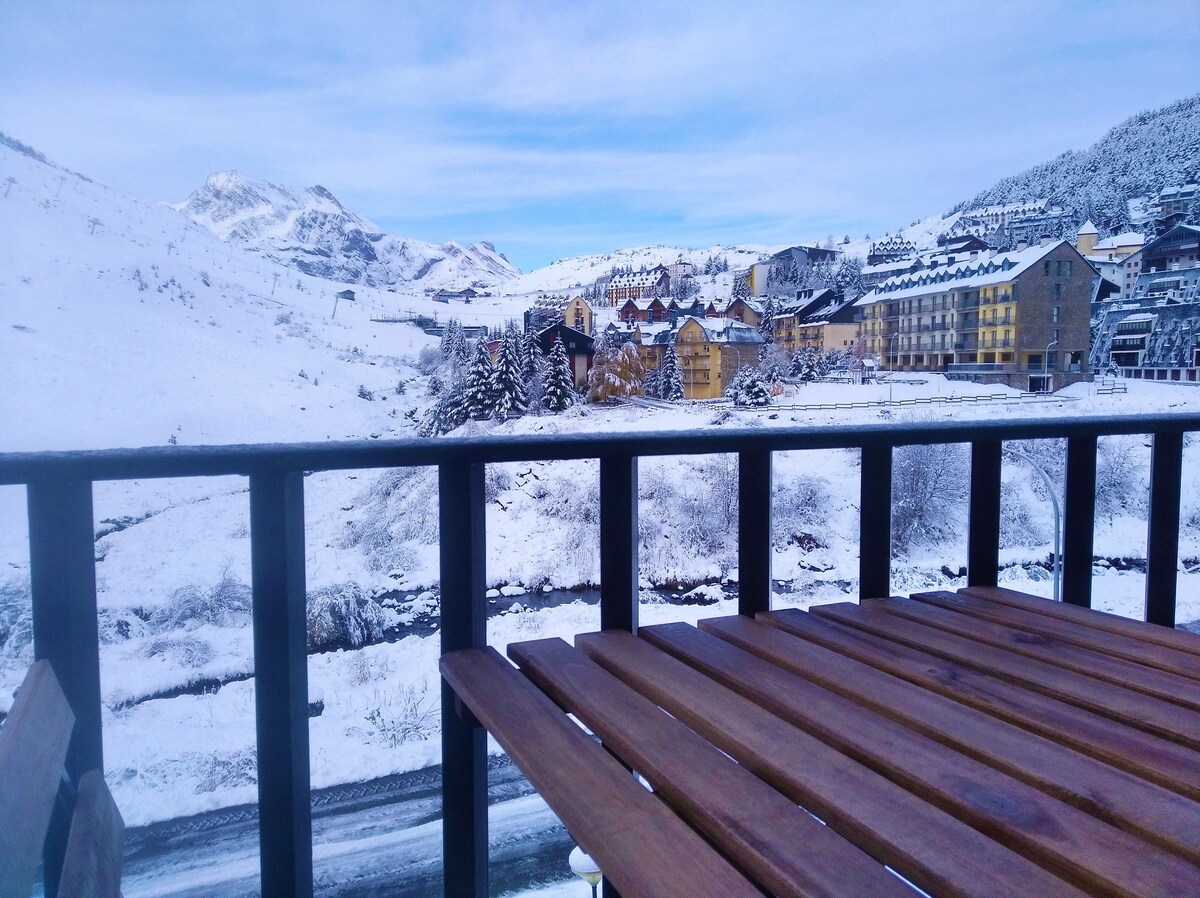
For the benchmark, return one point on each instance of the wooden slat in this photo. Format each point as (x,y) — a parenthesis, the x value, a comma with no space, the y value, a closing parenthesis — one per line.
(92,866)
(1129,648)
(639,843)
(33,746)
(1090,617)
(1165,686)
(937,852)
(1126,801)
(779,845)
(1068,842)
(1125,705)
(1159,760)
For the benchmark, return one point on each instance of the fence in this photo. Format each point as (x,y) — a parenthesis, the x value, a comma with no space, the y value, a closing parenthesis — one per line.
(63,576)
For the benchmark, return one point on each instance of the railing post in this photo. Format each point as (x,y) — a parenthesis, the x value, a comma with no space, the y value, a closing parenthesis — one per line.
(281,682)
(618,543)
(875,522)
(462,535)
(62,579)
(754,532)
(1162,541)
(983,538)
(1079,525)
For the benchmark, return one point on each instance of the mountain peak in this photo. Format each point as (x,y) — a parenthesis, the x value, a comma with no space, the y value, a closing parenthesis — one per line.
(311,229)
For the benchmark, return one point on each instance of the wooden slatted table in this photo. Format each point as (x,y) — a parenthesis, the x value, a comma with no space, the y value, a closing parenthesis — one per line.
(981,743)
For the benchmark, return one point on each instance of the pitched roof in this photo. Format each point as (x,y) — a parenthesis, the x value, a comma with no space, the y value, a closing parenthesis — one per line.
(1087,228)
(637,279)
(1129,238)
(725,330)
(970,274)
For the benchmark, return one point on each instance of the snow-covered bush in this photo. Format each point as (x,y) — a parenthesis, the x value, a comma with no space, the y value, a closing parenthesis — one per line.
(343,616)
(496,480)
(800,510)
(364,393)
(429,360)
(186,650)
(749,388)
(226,604)
(1017,524)
(16,621)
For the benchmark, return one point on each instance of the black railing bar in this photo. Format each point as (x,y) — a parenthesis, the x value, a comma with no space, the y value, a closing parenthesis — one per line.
(244,460)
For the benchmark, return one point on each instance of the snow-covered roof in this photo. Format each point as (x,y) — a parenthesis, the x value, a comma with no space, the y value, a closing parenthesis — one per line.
(1129,238)
(725,330)
(1144,316)
(637,279)
(1087,228)
(971,274)
(887,267)
(752,304)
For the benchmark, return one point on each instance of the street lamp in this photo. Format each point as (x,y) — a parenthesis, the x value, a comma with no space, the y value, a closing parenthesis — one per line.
(891,365)
(1053,491)
(1046,365)
(585,868)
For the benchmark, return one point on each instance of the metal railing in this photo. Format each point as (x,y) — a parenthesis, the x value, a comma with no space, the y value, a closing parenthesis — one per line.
(63,574)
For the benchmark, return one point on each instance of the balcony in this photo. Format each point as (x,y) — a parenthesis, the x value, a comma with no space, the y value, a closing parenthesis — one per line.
(59,489)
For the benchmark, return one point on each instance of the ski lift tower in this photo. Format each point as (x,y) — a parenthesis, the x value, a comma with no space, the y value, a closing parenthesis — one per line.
(347,295)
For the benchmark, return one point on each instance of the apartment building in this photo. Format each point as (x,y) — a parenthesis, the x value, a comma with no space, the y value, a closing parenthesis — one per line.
(1006,317)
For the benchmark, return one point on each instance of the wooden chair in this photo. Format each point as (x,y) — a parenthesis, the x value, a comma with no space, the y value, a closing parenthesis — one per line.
(33,746)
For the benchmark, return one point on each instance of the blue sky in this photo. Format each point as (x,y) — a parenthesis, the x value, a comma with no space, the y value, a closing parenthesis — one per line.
(556,129)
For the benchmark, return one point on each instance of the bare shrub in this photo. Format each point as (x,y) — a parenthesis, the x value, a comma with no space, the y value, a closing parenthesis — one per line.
(801,506)
(929,491)
(228,603)
(186,650)
(1120,476)
(407,714)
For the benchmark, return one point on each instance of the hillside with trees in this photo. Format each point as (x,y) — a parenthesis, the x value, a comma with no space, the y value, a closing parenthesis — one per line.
(1140,156)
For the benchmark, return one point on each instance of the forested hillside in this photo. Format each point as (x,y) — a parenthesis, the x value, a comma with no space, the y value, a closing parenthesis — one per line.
(1138,157)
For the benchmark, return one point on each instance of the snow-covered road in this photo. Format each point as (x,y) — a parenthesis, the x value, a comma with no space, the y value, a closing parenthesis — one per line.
(377,838)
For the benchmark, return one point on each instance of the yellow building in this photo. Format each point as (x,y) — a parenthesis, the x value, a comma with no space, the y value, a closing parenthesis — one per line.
(711,350)
(578,314)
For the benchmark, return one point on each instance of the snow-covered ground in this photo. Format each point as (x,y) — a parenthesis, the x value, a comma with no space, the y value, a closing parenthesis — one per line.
(122,323)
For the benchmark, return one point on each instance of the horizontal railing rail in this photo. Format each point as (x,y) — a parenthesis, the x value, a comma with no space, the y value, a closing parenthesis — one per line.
(59,489)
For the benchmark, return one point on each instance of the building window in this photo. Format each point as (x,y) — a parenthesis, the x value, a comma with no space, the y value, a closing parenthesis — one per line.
(1046,268)
(1057,292)
(1067,264)
(1056,334)
(1054,315)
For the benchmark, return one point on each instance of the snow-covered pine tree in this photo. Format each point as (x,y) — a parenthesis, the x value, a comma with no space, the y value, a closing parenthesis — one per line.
(559,384)
(508,383)
(804,365)
(479,391)
(749,388)
(448,413)
(670,375)
(848,278)
(766,326)
(741,288)
(532,360)
(650,383)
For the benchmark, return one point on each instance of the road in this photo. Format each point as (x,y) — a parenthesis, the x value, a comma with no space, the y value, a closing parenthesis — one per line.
(377,838)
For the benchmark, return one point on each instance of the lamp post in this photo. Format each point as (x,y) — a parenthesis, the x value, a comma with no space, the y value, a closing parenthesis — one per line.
(891,366)
(585,868)
(1046,365)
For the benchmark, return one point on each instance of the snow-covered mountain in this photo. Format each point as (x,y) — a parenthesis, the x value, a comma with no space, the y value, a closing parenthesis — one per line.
(310,229)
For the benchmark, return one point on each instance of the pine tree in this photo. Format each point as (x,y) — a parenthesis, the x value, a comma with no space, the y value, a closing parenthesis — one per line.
(749,388)
(650,385)
(448,413)
(670,375)
(532,360)
(559,384)
(804,365)
(766,326)
(479,396)
(741,288)
(508,383)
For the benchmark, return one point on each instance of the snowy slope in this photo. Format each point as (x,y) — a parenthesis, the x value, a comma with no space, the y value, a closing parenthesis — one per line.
(311,230)
(133,324)
(566,274)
